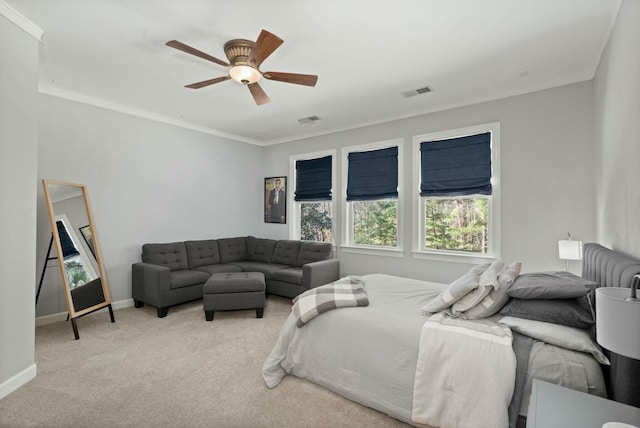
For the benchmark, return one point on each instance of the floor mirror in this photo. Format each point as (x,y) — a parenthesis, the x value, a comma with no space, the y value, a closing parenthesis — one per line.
(74,236)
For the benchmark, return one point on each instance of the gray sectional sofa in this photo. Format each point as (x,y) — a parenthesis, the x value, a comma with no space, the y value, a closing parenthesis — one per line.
(174,273)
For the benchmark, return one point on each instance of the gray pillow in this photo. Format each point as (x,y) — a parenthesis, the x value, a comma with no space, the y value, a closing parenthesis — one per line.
(572,312)
(576,339)
(550,285)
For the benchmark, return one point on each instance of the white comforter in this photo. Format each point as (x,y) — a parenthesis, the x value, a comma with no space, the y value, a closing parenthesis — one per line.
(370,354)
(367,354)
(465,373)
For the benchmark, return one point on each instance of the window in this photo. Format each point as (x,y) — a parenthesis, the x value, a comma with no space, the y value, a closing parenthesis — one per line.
(372,185)
(78,268)
(312,217)
(458,203)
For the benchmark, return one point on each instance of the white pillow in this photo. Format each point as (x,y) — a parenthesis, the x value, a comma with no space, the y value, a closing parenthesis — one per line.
(577,339)
(487,282)
(497,297)
(455,291)
(489,277)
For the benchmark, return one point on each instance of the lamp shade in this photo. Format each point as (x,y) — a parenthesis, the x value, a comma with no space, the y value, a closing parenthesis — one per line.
(617,321)
(570,250)
(244,74)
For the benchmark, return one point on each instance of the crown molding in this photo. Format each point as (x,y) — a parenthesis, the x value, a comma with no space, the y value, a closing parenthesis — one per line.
(121,108)
(20,21)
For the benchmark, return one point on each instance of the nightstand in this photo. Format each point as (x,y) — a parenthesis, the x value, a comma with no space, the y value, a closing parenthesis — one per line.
(553,406)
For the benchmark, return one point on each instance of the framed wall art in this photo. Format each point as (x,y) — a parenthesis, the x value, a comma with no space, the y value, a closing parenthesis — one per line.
(275,200)
(88,238)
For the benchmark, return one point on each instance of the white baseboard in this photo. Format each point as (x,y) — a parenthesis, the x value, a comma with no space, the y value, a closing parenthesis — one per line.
(126,303)
(62,316)
(50,319)
(15,382)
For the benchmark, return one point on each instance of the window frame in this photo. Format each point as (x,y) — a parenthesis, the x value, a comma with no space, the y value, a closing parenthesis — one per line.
(295,206)
(419,251)
(82,252)
(346,238)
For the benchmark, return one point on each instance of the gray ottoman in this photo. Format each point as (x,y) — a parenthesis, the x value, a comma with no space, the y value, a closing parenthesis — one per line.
(233,291)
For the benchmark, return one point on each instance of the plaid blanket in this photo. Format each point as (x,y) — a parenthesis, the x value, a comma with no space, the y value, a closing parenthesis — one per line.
(345,292)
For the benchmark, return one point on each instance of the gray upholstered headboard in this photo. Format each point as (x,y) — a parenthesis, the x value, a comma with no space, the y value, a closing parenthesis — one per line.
(613,269)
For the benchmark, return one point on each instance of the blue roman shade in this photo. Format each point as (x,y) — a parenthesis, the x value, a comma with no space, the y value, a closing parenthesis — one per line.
(313,179)
(457,166)
(68,249)
(373,175)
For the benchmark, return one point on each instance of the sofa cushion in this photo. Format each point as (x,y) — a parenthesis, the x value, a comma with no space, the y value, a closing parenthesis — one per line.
(259,249)
(286,252)
(232,249)
(266,268)
(218,268)
(187,278)
(202,253)
(311,251)
(172,255)
(291,275)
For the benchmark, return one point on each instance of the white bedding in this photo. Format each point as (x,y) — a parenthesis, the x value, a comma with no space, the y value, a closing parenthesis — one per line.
(458,362)
(369,354)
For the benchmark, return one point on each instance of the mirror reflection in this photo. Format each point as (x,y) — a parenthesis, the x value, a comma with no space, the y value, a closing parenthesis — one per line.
(73,232)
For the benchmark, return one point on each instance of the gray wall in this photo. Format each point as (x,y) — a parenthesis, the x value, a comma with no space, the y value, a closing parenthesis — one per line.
(18,169)
(547,181)
(617,135)
(147,182)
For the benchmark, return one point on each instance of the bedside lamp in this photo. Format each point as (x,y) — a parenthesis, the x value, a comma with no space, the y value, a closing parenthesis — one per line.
(617,321)
(569,250)
(618,318)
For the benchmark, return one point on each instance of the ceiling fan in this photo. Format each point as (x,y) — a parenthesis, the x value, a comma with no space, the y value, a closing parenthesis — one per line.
(245,58)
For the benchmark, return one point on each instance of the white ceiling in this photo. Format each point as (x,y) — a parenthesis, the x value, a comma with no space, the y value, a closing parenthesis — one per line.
(366,53)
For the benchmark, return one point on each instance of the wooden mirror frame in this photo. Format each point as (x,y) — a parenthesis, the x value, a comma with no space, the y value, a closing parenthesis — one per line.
(73,313)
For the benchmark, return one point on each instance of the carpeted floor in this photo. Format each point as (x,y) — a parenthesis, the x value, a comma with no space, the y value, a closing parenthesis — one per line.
(178,371)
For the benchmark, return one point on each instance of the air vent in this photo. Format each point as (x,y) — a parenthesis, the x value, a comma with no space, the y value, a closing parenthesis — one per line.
(308,120)
(414,92)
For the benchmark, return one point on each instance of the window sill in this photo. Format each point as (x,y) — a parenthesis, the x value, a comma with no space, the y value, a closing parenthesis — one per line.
(453,257)
(372,251)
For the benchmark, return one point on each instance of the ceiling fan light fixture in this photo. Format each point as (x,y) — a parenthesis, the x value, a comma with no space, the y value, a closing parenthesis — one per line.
(244,74)
(245,57)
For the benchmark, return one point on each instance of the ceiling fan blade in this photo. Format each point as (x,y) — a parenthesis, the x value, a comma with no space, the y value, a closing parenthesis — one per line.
(265,45)
(298,79)
(204,83)
(193,51)
(259,96)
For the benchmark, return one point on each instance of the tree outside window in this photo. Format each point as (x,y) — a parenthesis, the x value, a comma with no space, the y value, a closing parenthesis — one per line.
(316,221)
(458,224)
(375,223)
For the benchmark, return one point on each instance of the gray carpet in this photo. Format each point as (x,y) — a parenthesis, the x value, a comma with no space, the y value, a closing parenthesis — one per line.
(178,371)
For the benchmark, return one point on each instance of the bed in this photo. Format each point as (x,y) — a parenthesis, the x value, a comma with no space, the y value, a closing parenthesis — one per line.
(369,354)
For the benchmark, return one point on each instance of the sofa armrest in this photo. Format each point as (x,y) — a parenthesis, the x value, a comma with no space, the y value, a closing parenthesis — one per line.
(150,283)
(320,273)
